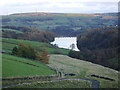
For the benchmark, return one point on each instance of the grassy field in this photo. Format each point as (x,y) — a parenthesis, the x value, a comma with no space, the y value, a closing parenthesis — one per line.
(13,66)
(8,45)
(84,69)
(59,84)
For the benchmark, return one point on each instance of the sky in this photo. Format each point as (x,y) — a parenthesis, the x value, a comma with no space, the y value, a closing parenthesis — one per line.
(58,6)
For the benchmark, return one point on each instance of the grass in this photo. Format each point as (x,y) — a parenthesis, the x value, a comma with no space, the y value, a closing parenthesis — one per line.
(59,84)
(8,45)
(13,68)
(84,69)
(13,30)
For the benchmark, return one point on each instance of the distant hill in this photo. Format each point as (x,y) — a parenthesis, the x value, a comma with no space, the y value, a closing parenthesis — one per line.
(61,24)
(27,33)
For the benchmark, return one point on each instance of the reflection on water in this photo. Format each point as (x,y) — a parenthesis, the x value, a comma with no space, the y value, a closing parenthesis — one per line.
(66,42)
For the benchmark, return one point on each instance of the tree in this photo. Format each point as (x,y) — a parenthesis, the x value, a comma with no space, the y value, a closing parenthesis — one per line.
(15,51)
(27,51)
(72,46)
(43,56)
(24,50)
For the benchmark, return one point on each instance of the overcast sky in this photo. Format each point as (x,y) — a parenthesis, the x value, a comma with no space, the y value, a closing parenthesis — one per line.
(58,6)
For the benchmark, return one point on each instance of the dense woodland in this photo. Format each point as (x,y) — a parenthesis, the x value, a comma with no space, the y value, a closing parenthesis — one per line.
(99,46)
(27,33)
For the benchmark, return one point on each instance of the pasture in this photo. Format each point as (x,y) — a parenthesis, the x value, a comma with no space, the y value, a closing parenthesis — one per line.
(13,66)
(84,69)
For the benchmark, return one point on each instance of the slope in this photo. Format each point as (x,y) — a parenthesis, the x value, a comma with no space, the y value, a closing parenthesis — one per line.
(13,66)
(84,69)
(8,45)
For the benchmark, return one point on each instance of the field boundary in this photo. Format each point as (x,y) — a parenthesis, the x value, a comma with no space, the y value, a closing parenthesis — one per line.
(30,78)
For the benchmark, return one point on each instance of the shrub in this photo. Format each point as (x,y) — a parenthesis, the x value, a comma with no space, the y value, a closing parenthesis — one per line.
(28,51)
(15,50)
(43,56)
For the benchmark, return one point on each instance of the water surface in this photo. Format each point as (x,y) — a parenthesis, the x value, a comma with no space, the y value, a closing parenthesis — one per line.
(66,42)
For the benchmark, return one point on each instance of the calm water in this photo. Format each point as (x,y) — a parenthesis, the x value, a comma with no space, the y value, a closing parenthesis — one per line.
(65,42)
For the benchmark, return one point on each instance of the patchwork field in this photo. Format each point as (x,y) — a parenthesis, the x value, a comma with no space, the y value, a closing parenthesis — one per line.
(20,67)
(84,69)
(61,23)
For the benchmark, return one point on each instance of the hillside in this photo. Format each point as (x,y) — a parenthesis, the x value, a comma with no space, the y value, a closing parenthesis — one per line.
(59,23)
(84,69)
(20,67)
(26,67)
(27,33)
(8,44)
(17,67)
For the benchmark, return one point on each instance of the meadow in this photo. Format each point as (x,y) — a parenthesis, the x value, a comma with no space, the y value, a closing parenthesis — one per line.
(84,69)
(20,67)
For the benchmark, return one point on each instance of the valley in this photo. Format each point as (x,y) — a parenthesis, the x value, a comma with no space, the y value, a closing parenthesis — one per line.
(60,50)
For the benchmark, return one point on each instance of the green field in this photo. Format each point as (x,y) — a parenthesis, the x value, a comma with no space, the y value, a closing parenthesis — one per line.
(12,67)
(59,84)
(8,45)
(84,69)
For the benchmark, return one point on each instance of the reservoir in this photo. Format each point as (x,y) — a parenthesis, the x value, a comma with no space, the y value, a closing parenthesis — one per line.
(66,42)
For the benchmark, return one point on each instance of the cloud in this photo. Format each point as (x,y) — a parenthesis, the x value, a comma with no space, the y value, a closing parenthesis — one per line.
(62,6)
